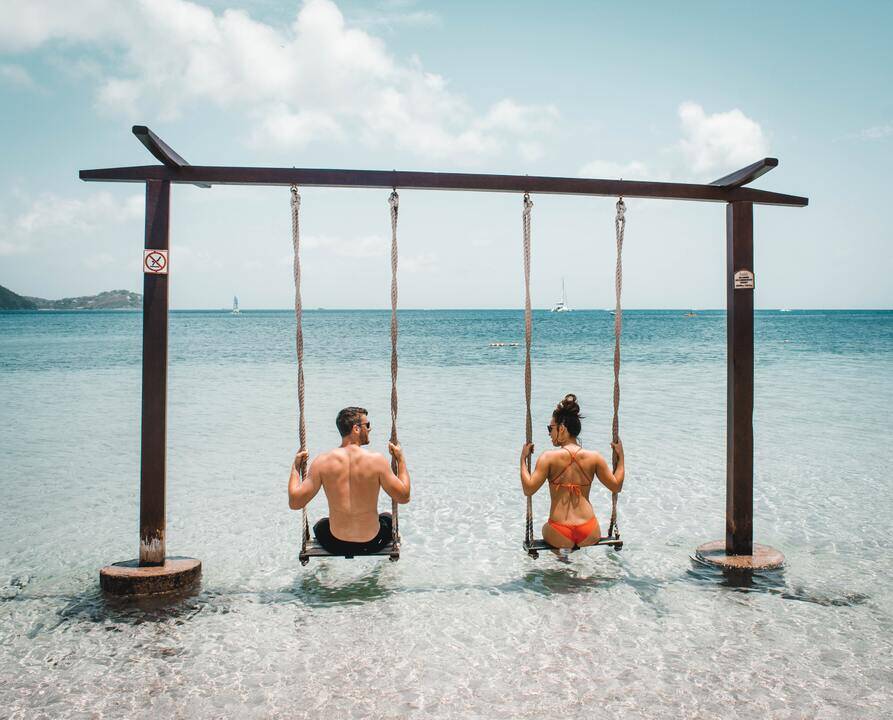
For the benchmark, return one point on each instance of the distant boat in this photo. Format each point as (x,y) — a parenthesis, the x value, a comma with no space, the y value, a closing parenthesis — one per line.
(785,310)
(691,313)
(236,310)
(561,305)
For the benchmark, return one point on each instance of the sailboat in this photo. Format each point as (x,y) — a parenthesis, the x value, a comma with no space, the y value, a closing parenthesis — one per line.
(235,304)
(561,305)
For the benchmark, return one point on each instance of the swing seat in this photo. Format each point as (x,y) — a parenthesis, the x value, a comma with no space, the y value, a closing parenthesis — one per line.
(533,548)
(315,550)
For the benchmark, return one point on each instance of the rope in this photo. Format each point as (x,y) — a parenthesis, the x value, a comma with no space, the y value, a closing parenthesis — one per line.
(394,202)
(619,229)
(299,347)
(528,335)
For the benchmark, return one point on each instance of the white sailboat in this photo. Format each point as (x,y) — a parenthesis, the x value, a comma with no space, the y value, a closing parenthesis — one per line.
(561,305)
(235,305)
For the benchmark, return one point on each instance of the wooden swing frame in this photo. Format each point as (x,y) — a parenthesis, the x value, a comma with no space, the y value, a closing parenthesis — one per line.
(731,189)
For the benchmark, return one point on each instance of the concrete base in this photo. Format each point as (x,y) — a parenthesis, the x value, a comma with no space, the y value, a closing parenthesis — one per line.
(763,558)
(128,578)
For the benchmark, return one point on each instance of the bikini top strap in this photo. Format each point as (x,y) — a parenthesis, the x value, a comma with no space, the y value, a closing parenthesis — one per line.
(573,461)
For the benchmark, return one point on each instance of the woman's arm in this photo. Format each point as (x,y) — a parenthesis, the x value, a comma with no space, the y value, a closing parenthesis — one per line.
(531,483)
(611,480)
(301,493)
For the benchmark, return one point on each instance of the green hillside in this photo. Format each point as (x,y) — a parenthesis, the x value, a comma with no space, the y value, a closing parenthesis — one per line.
(109,300)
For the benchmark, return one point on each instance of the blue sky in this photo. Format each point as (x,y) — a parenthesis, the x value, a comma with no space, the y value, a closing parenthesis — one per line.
(684,92)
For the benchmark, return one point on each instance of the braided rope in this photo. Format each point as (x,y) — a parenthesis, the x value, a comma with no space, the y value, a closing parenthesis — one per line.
(394,202)
(528,336)
(299,347)
(619,229)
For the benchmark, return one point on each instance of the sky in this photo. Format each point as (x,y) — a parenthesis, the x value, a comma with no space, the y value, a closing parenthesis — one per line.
(683,92)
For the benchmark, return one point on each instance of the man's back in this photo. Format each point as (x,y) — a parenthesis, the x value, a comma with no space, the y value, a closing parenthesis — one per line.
(351,478)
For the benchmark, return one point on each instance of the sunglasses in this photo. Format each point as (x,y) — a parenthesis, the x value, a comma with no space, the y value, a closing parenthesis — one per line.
(549,429)
(367,425)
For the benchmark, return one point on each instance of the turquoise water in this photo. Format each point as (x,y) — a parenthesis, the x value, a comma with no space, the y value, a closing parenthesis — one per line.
(465,625)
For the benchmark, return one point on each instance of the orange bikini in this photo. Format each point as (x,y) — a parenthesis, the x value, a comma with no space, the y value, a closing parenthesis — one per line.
(575,533)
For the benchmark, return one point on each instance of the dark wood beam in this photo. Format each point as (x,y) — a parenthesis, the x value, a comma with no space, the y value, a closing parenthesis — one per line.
(217,175)
(158,147)
(161,150)
(739,379)
(746,175)
(153,449)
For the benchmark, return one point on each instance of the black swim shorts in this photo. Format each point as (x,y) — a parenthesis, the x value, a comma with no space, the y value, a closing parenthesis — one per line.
(324,536)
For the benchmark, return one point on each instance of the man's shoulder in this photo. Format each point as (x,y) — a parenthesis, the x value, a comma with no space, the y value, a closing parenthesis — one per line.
(328,456)
(340,455)
(373,456)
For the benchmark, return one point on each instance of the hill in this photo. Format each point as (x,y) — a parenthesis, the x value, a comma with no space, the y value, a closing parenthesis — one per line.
(10,301)
(109,300)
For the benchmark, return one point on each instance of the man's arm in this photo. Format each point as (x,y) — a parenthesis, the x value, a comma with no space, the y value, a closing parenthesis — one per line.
(301,493)
(530,483)
(397,486)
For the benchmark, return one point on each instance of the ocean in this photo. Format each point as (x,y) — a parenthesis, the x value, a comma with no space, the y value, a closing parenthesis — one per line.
(465,625)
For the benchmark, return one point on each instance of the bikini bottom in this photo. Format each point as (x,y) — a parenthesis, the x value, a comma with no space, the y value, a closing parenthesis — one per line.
(575,533)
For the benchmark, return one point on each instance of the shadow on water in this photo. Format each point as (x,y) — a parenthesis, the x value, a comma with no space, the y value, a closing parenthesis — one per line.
(313,590)
(771,582)
(553,581)
(94,606)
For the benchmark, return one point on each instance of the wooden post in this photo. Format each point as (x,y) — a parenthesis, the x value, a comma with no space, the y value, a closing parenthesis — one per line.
(154,421)
(739,403)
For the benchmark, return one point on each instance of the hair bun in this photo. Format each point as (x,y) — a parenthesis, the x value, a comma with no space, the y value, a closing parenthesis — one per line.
(569,405)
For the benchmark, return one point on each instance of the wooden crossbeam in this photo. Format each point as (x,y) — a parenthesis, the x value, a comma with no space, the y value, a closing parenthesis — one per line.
(161,150)
(309,177)
(175,169)
(746,175)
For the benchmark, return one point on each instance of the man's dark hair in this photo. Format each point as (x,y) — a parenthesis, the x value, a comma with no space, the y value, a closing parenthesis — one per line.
(349,417)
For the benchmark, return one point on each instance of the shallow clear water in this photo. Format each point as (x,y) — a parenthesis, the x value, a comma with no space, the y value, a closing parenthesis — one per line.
(465,625)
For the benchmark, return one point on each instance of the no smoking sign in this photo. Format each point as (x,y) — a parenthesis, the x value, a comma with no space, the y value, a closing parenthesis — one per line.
(155,262)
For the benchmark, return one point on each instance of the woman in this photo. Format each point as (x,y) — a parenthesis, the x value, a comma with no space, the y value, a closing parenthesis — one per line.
(570,471)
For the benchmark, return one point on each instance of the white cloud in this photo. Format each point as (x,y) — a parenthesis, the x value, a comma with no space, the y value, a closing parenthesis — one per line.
(605,169)
(721,141)
(393,13)
(184,257)
(362,247)
(51,212)
(319,78)
(424,262)
(709,143)
(878,132)
(51,215)
(27,24)
(294,130)
(369,246)
(531,151)
(98,261)
(16,75)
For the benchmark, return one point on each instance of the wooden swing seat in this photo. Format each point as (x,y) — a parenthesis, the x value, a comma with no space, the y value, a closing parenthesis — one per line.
(533,548)
(315,550)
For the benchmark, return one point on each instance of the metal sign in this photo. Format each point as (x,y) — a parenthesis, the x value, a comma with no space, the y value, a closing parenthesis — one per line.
(744,280)
(155,262)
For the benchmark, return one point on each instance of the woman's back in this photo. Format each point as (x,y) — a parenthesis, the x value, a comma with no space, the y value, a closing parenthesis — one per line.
(571,471)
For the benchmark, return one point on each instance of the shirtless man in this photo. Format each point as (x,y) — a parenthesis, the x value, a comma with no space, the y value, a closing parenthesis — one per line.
(351,477)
